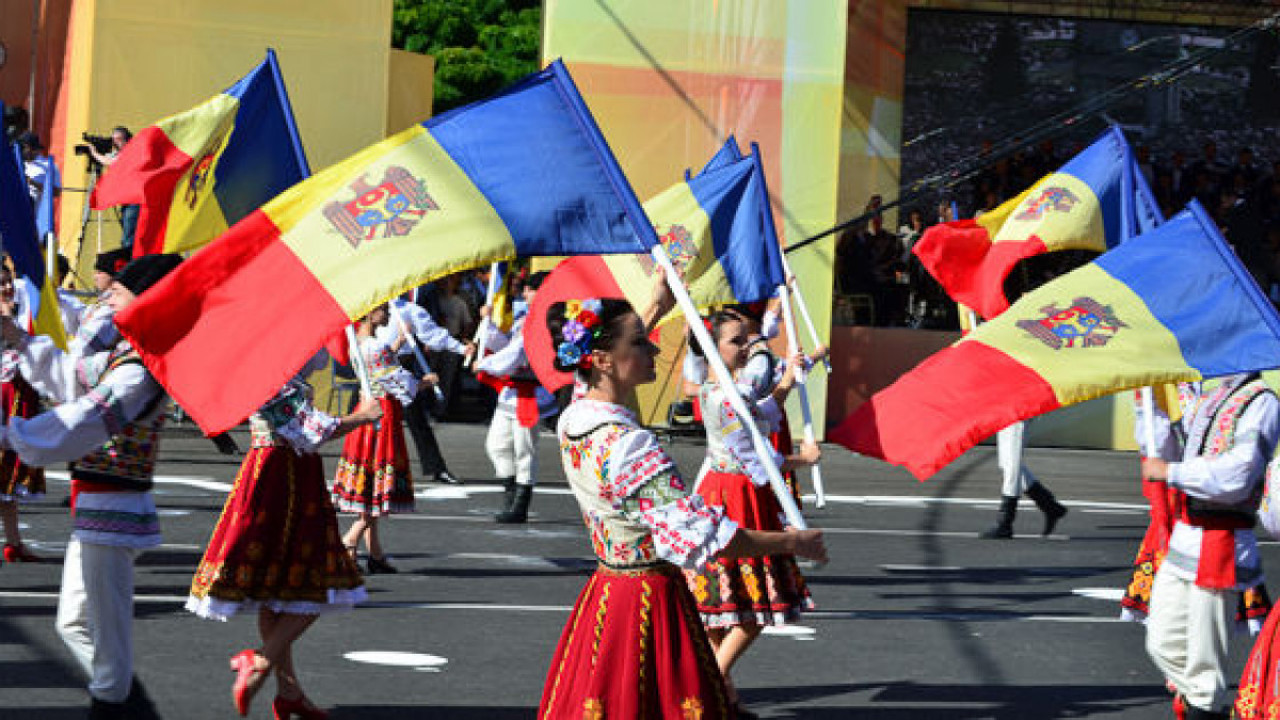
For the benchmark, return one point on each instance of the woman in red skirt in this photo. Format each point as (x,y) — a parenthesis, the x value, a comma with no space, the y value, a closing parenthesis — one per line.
(17,480)
(276,547)
(1259,695)
(634,646)
(373,475)
(738,597)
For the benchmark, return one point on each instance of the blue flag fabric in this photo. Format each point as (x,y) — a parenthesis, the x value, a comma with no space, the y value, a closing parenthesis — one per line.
(45,222)
(21,241)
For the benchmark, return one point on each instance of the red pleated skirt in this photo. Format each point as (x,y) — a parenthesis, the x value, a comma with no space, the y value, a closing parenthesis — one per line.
(17,479)
(277,541)
(747,591)
(1259,694)
(373,473)
(634,648)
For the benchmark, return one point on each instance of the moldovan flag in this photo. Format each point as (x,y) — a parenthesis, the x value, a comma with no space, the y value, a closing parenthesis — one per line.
(717,229)
(1172,305)
(1094,202)
(18,232)
(198,172)
(525,172)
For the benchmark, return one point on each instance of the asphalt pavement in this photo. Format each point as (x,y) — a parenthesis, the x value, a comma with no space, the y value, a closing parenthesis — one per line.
(917,617)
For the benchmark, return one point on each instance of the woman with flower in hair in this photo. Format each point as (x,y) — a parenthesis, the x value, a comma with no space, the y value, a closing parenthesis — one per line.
(634,646)
(738,597)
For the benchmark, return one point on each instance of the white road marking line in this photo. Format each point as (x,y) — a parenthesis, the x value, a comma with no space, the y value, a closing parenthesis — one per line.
(418,661)
(955,616)
(973,502)
(1110,594)
(794,632)
(929,533)
(921,568)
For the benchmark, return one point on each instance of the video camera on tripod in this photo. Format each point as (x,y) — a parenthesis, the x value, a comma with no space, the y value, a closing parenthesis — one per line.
(101,144)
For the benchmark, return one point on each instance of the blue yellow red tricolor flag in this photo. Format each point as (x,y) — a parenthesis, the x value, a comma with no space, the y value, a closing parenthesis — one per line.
(525,172)
(718,229)
(21,242)
(1172,305)
(1094,202)
(199,172)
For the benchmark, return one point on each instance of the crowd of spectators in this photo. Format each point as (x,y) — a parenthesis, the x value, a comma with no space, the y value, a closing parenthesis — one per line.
(1209,147)
(880,282)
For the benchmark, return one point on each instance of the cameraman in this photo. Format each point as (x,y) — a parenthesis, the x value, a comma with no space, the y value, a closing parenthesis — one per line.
(120,136)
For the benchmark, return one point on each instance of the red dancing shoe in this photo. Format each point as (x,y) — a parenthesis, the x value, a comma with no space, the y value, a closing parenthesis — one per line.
(20,553)
(285,708)
(248,679)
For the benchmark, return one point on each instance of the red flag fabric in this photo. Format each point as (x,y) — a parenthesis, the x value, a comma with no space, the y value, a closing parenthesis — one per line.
(584,276)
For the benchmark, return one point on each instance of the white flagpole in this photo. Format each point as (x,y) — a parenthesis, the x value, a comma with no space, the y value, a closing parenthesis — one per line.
(482,332)
(793,347)
(780,489)
(357,362)
(1149,421)
(804,311)
(413,344)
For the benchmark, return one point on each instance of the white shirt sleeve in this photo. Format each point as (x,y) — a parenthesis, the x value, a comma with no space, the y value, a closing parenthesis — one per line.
(645,486)
(56,375)
(1230,477)
(1166,447)
(427,330)
(506,361)
(74,429)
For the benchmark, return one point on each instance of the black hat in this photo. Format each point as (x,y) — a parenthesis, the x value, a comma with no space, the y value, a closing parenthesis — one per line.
(112,262)
(146,271)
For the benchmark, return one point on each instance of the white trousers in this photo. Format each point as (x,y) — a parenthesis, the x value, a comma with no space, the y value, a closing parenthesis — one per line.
(95,615)
(512,448)
(1187,633)
(1017,478)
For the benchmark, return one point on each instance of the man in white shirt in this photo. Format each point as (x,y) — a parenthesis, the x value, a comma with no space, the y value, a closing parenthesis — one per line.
(1231,435)
(427,335)
(106,422)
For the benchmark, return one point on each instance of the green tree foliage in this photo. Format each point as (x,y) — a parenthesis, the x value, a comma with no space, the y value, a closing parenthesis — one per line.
(480,46)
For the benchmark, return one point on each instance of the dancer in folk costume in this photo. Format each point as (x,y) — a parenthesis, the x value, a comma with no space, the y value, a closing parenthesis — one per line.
(738,597)
(1165,504)
(430,336)
(634,646)
(512,442)
(1231,435)
(96,330)
(107,421)
(373,476)
(276,547)
(18,480)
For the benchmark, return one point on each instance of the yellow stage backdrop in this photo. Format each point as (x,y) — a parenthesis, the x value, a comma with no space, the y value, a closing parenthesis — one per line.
(667,80)
(132,62)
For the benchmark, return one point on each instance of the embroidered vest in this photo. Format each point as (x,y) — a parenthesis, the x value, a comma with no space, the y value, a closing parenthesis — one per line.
(126,461)
(296,396)
(1212,431)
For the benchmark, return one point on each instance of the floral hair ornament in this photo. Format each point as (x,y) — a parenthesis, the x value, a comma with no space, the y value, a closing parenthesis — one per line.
(581,329)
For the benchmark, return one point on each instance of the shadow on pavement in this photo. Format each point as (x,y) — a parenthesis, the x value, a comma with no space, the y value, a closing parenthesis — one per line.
(928,701)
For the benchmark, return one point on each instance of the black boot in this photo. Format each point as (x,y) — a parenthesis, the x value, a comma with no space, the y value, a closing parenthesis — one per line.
(138,706)
(508,493)
(1048,504)
(1195,713)
(1003,529)
(103,710)
(518,510)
